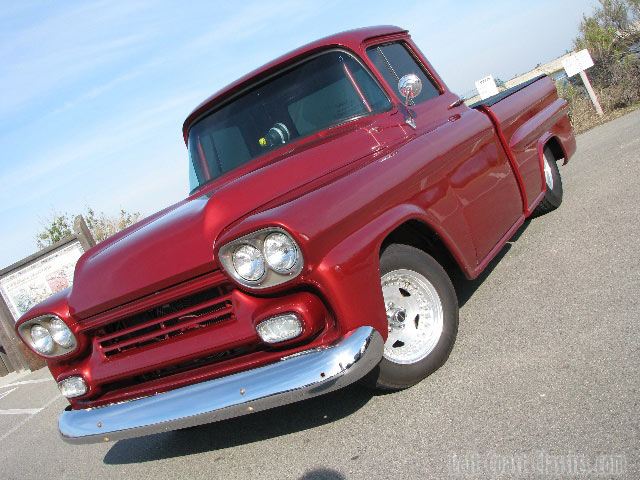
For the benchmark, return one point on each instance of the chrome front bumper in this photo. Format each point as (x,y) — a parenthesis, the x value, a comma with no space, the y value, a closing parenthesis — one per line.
(293,378)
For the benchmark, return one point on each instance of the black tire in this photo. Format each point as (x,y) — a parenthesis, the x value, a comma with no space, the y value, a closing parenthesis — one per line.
(553,196)
(389,375)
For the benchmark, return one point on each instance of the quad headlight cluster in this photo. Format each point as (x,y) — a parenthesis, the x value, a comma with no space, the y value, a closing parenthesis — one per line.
(262,259)
(48,335)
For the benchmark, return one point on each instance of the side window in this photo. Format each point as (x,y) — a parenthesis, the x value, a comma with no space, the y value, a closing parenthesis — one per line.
(393,61)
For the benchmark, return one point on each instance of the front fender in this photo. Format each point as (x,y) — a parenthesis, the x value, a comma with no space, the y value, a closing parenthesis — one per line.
(348,275)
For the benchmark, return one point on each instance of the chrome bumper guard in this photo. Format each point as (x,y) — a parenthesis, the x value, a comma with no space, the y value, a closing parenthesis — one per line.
(297,377)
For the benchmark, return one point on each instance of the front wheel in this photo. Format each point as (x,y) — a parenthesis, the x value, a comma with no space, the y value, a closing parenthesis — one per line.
(422,315)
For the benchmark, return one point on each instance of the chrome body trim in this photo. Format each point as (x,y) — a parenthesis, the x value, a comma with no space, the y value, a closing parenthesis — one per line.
(290,380)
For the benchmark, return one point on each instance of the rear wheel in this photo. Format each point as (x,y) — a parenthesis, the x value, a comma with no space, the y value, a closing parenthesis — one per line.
(422,316)
(553,196)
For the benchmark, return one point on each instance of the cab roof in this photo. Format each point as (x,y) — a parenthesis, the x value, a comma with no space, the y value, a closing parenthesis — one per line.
(351,39)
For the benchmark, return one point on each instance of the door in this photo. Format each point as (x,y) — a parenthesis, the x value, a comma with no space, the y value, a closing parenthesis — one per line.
(460,140)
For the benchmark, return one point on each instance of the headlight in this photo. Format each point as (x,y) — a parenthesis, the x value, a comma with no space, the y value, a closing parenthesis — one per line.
(262,259)
(248,263)
(280,252)
(41,339)
(60,333)
(48,335)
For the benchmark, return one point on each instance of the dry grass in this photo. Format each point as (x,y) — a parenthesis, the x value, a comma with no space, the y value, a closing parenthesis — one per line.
(583,114)
(616,81)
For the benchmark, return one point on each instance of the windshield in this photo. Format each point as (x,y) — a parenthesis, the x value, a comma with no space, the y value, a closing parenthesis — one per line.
(326,90)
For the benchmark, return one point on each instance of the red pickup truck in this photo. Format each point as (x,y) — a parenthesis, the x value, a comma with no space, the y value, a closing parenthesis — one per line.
(331,192)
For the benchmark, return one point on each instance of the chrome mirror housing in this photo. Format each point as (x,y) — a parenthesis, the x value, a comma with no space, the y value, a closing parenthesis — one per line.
(410,87)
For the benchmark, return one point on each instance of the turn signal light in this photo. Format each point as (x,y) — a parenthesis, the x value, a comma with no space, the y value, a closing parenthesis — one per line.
(280,328)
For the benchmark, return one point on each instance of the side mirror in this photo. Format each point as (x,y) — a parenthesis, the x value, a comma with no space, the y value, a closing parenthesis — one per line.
(410,87)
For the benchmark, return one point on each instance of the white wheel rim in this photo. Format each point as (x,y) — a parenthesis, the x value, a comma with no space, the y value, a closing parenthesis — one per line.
(414,314)
(548,174)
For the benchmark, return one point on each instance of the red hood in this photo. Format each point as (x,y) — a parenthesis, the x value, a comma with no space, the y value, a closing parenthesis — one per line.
(176,244)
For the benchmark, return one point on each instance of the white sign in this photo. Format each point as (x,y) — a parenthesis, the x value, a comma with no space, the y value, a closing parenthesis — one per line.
(577,62)
(487,87)
(31,284)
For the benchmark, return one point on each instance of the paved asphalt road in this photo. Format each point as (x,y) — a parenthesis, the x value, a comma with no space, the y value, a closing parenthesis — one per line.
(545,373)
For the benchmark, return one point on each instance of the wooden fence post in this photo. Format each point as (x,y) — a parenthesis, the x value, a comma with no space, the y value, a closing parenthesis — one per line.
(84,234)
(9,340)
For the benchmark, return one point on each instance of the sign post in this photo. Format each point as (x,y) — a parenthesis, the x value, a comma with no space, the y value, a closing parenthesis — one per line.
(578,63)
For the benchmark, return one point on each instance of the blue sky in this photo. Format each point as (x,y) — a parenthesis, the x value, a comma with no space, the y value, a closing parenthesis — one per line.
(94,93)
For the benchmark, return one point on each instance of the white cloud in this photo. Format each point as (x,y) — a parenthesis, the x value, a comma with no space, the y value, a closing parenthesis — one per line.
(103,143)
(65,48)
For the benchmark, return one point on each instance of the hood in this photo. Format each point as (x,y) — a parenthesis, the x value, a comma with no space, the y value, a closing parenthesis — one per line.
(176,244)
